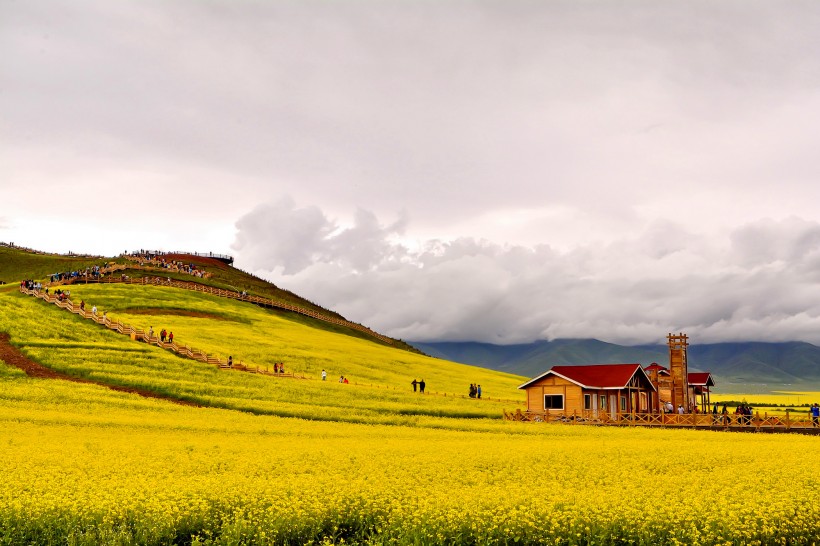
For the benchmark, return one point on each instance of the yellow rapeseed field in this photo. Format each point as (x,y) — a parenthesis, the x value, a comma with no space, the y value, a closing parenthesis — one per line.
(308,462)
(85,465)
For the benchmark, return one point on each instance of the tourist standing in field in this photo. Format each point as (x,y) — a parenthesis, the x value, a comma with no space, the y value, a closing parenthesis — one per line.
(324,375)
(422,384)
(414,383)
(478,391)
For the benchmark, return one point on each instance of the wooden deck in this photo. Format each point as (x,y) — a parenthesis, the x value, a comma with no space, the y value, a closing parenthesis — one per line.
(738,423)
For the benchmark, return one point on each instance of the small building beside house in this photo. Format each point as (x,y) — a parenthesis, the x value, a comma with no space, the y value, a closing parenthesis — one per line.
(699,390)
(591,390)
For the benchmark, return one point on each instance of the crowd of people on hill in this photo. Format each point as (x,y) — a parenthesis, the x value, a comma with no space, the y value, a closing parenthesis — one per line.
(157,259)
(475,390)
(94,272)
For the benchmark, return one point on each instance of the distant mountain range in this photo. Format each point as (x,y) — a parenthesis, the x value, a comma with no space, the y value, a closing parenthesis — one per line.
(794,363)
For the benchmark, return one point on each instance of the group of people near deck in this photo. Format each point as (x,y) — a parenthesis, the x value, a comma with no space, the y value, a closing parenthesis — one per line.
(156,259)
(163,335)
(94,272)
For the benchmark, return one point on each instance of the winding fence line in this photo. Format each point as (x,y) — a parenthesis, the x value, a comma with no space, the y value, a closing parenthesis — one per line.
(197,287)
(139,334)
(712,421)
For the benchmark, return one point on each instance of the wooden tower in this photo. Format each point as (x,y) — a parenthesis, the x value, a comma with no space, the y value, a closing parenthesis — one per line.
(678,358)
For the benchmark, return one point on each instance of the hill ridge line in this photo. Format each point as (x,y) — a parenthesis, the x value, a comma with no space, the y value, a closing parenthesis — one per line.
(257,300)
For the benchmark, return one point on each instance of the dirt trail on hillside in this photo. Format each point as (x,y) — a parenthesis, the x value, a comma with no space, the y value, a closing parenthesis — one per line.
(12,356)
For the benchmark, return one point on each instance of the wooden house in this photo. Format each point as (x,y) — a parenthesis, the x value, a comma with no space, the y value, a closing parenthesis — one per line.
(590,390)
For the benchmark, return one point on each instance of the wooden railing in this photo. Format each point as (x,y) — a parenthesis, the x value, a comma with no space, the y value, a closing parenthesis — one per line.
(264,302)
(755,422)
(139,334)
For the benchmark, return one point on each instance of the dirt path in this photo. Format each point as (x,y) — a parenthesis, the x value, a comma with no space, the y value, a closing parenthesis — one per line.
(12,356)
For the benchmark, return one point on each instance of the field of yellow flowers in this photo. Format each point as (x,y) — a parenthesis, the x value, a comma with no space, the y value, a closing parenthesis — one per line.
(85,465)
(82,464)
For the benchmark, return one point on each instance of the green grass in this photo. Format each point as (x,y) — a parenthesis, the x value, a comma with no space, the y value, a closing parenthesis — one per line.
(17,265)
(380,376)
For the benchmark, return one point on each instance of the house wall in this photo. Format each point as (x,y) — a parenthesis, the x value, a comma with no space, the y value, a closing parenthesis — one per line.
(573,397)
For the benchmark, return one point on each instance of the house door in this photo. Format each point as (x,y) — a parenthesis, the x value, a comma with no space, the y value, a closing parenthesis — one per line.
(613,404)
(595,405)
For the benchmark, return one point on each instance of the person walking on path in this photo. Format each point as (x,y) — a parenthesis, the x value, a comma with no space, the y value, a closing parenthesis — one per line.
(414,383)
(422,384)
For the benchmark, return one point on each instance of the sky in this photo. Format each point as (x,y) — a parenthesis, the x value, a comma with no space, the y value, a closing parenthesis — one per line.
(499,171)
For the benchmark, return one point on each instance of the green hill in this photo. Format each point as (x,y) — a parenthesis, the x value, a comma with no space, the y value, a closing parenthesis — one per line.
(379,376)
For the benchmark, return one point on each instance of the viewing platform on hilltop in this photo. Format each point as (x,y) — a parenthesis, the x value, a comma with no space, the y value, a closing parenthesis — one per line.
(224,258)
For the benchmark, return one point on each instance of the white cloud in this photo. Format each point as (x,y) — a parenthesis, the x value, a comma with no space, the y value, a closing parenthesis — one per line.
(758,282)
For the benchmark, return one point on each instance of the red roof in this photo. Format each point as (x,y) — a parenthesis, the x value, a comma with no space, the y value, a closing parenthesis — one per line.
(655,366)
(700,379)
(595,376)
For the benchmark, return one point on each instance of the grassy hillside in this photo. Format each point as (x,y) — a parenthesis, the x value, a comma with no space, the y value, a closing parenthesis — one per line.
(380,390)
(17,264)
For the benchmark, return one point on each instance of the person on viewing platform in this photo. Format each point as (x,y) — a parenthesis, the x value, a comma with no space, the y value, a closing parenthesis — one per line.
(669,408)
(162,335)
(170,337)
(94,310)
(275,367)
(414,383)
(150,331)
(82,305)
(815,415)
(422,384)
(230,361)
(680,409)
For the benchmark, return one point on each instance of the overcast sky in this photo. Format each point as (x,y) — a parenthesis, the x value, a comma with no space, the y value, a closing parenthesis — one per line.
(499,171)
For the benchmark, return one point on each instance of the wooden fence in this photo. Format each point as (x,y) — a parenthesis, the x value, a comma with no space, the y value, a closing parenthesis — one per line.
(756,422)
(139,334)
(256,300)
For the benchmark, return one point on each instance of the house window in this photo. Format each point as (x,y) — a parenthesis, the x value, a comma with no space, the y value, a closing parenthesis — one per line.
(554,401)
(602,402)
(623,403)
(587,401)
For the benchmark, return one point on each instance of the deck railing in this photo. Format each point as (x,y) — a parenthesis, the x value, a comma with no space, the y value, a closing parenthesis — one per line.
(139,334)
(757,422)
(263,302)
